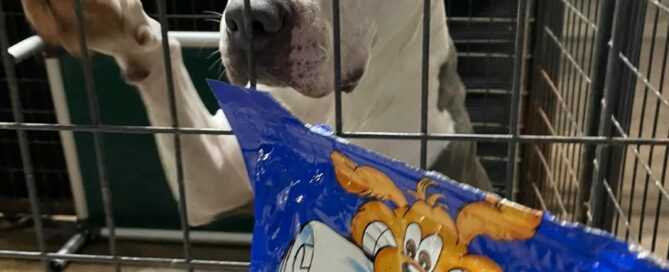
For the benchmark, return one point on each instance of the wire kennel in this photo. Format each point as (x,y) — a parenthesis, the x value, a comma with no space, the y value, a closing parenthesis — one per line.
(566,97)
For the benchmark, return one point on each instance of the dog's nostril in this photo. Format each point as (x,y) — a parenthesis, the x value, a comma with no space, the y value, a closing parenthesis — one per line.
(267,20)
(258,27)
(232,26)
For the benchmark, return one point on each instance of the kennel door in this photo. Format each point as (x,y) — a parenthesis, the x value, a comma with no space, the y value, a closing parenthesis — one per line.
(140,194)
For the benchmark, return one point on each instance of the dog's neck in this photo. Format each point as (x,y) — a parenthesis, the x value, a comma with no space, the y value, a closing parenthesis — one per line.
(393,77)
(388,98)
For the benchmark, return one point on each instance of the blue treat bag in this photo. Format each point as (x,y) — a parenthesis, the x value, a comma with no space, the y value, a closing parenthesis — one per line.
(322,204)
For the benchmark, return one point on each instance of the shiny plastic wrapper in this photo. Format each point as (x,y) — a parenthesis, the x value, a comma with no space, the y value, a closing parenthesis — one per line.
(322,204)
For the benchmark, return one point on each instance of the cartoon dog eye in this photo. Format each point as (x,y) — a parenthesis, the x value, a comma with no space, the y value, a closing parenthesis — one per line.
(424,251)
(424,260)
(410,248)
(412,240)
(429,251)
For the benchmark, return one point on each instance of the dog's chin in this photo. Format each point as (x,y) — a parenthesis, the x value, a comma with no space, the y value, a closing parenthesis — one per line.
(308,91)
(347,85)
(310,88)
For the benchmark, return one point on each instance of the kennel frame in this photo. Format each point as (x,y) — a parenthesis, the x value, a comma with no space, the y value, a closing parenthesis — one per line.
(600,139)
(610,57)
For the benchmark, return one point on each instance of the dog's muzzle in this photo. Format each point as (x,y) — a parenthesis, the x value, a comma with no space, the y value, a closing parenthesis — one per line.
(268,19)
(270,25)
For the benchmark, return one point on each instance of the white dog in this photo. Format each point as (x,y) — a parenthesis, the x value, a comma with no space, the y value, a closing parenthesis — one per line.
(293,49)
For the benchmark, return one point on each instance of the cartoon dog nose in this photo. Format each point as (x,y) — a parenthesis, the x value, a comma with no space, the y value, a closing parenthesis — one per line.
(267,19)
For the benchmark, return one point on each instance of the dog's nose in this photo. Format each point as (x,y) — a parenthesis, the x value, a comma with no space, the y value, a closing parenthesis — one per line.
(405,267)
(267,20)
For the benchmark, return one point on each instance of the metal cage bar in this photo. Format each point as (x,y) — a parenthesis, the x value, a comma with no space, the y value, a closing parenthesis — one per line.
(519,61)
(602,217)
(573,61)
(581,155)
(248,34)
(26,158)
(498,138)
(640,175)
(183,209)
(424,81)
(98,138)
(598,76)
(664,161)
(336,37)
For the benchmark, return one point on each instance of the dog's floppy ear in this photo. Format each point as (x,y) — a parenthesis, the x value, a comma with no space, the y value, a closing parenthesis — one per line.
(365,181)
(497,219)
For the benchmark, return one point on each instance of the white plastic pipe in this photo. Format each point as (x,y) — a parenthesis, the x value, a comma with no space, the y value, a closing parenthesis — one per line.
(188,39)
(200,237)
(57,87)
(26,48)
(196,39)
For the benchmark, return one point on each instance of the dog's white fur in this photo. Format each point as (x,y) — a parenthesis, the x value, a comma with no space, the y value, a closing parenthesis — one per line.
(390,52)
(381,36)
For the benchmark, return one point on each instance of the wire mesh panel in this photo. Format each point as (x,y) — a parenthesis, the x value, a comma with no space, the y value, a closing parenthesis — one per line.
(547,140)
(641,111)
(98,130)
(599,71)
(50,170)
(50,173)
(186,19)
(564,48)
(484,34)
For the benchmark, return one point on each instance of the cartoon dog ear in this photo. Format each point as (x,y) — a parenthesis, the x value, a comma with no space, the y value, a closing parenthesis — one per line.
(497,219)
(365,181)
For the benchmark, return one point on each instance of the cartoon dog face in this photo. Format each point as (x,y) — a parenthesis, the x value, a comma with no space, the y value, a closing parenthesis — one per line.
(422,236)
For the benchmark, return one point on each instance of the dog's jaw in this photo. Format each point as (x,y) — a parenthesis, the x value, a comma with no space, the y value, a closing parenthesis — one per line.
(380,55)
(305,61)
(310,52)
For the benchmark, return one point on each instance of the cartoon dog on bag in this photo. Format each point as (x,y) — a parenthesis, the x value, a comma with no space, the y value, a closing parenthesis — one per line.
(417,237)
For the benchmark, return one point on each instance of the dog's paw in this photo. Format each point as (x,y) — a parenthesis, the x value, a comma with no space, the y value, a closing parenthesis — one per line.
(113,27)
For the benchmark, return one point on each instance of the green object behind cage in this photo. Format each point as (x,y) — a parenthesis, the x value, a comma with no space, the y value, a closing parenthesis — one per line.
(140,194)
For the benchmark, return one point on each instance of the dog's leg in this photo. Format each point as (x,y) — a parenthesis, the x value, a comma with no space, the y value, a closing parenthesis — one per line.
(214,173)
(459,160)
